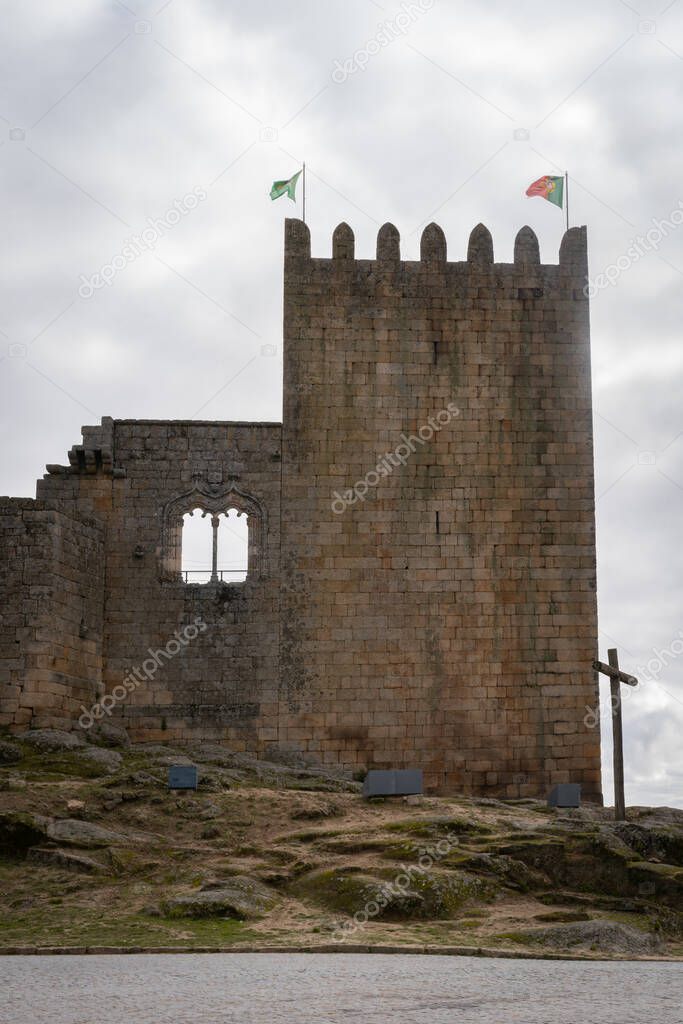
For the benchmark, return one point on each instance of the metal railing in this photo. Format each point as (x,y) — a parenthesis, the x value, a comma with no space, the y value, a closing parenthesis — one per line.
(219,576)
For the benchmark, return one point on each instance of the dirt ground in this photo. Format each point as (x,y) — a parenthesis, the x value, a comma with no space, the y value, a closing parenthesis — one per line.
(102,853)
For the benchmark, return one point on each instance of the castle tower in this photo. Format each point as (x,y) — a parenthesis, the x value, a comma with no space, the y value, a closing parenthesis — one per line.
(420,585)
(438,583)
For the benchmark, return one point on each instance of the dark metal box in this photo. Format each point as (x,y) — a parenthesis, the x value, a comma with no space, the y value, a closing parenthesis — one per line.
(567,794)
(182,776)
(399,782)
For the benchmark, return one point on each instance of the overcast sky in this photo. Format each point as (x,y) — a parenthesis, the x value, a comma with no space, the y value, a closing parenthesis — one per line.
(112,112)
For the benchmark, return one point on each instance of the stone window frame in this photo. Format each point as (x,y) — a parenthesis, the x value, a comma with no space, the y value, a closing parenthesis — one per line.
(213,502)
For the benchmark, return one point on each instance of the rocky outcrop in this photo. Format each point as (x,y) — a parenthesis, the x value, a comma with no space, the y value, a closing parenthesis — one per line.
(10,753)
(73,832)
(401,895)
(66,860)
(108,735)
(600,936)
(110,760)
(52,740)
(19,831)
(240,898)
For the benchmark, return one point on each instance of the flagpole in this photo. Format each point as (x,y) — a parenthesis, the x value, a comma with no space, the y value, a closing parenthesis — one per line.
(566,192)
(304,200)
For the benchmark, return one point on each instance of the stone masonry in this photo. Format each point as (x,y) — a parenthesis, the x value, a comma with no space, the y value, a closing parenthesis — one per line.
(421,581)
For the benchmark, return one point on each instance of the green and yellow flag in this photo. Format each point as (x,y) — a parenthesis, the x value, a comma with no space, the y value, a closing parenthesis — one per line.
(281,188)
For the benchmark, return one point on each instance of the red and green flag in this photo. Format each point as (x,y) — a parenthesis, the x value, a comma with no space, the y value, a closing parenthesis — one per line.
(548,187)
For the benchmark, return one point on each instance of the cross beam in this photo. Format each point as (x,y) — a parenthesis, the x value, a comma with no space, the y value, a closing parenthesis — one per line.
(615,673)
(616,678)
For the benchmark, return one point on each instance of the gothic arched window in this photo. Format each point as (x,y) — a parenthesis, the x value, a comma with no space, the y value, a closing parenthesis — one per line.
(209,538)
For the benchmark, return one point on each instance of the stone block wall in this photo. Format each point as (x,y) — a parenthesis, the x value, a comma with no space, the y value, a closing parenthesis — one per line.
(440,606)
(421,588)
(51,603)
(223,683)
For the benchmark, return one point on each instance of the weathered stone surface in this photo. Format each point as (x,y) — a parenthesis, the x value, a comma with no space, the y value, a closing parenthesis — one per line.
(239,897)
(73,832)
(110,760)
(168,760)
(210,832)
(663,843)
(315,808)
(10,753)
(526,247)
(602,936)
(108,734)
(343,243)
(514,874)
(419,895)
(662,882)
(53,740)
(20,831)
(66,860)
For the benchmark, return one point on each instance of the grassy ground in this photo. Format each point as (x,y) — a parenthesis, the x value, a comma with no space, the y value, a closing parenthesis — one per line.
(503,872)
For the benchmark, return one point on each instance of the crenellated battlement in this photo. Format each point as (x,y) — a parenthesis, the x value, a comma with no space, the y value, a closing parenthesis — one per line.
(573,254)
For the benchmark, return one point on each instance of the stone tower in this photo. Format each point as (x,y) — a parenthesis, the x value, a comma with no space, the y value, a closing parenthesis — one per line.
(421,584)
(443,613)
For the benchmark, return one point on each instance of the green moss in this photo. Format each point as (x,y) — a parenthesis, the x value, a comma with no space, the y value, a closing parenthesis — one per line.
(92,929)
(398,851)
(435,828)
(386,895)
(635,920)
(563,916)
(663,870)
(663,882)
(54,767)
(517,937)
(342,890)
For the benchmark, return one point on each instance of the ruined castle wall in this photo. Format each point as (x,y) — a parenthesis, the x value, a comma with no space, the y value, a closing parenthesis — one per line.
(448,620)
(51,600)
(421,588)
(139,477)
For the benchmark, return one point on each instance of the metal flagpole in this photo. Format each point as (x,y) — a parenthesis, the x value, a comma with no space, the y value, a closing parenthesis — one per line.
(566,195)
(304,200)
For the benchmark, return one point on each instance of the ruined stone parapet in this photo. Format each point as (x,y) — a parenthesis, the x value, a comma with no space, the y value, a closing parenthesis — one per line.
(95,455)
(51,608)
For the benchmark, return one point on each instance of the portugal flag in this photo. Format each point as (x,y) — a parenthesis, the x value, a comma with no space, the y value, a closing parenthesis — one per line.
(550,188)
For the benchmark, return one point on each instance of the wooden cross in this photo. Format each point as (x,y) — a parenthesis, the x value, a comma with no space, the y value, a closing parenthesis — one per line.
(616,678)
